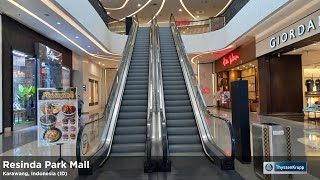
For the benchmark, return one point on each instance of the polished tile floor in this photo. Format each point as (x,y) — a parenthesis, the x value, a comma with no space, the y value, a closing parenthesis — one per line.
(23,143)
(304,147)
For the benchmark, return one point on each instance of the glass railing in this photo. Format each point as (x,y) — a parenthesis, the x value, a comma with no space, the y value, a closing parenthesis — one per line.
(95,146)
(213,23)
(216,132)
(114,25)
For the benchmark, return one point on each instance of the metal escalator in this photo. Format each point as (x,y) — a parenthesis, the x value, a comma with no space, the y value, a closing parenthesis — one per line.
(130,134)
(122,133)
(183,135)
(193,134)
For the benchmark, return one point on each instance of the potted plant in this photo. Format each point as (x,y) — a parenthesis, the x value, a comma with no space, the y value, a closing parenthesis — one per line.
(25,94)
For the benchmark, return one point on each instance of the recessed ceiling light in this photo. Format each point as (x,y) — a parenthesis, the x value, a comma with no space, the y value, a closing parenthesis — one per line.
(88,46)
(244,66)
(180,10)
(58,22)
(198,16)
(103,64)
(139,5)
(108,13)
(315,44)
(250,64)
(99,62)
(77,37)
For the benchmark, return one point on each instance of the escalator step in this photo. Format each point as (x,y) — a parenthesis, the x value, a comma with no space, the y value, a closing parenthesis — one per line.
(134,102)
(176,97)
(128,148)
(185,148)
(181,123)
(133,109)
(127,130)
(136,97)
(132,138)
(184,115)
(182,130)
(184,139)
(132,115)
(177,109)
(131,122)
(177,103)
(176,92)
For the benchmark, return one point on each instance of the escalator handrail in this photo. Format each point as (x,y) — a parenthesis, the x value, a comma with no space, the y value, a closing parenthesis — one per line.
(114,94)
(150,102)
(197,90)
(165,144)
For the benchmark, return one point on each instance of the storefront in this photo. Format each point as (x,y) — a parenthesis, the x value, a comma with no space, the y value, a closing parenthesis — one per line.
(289,68)
(240,64)
(29,61)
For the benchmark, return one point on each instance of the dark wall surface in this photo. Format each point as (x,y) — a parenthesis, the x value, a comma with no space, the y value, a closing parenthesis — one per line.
(19,37)
(280,84)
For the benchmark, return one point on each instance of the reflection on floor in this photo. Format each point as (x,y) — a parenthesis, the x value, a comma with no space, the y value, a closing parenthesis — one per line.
(304,145)
(21,142)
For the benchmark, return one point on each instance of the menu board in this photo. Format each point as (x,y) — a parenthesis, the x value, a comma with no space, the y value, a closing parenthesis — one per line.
(57,116)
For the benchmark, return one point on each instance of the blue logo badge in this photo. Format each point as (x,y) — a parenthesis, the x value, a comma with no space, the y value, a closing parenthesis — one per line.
(269,167)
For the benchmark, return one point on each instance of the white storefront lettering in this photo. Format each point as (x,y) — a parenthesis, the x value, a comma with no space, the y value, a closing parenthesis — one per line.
(293,33)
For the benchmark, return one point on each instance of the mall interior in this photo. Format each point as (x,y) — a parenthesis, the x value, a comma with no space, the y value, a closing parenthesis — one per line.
(156,89)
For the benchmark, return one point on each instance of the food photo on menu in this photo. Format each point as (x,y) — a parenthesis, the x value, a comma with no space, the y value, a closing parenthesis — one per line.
(57,118)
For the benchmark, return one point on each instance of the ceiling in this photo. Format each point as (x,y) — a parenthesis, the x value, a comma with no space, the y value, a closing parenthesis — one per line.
(315,46)
(39,17)
(200,9)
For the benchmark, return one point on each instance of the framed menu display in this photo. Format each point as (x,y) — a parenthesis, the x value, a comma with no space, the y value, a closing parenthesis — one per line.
(57,116)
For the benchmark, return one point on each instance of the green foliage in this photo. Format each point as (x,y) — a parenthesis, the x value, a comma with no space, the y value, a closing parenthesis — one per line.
(25,93)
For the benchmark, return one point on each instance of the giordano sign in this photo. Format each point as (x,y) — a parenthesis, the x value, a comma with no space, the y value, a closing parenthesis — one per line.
(298,31)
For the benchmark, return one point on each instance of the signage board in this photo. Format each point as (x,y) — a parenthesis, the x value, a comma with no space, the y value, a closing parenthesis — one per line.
(57,116)
(230,59)
(299,30)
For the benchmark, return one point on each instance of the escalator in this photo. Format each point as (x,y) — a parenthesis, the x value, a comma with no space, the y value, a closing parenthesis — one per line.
(200,145)
(183,135)
(119,141)
(130,133)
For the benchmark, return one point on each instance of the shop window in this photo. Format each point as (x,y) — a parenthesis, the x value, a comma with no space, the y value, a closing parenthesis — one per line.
(93,92)
(24,88)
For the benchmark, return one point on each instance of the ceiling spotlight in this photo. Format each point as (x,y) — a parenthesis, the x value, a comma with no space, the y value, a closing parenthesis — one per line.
(250,64)
(77,37)
(180,10)
(139,5)
(99,62)
(108,13)
(58,22)
(315,44)
(88,46)
(103,64)
(198,16)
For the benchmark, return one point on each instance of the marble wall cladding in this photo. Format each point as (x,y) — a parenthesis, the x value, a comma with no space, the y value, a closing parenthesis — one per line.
(205,81)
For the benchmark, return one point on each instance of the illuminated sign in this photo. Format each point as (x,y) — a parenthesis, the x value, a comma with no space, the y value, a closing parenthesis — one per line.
(228,60)
(206,90)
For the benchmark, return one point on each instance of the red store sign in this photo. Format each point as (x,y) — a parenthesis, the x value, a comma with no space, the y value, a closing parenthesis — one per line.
(229,59)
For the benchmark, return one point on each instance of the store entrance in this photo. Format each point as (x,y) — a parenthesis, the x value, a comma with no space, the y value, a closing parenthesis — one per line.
(249,72)
(24,89)
(310,60)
